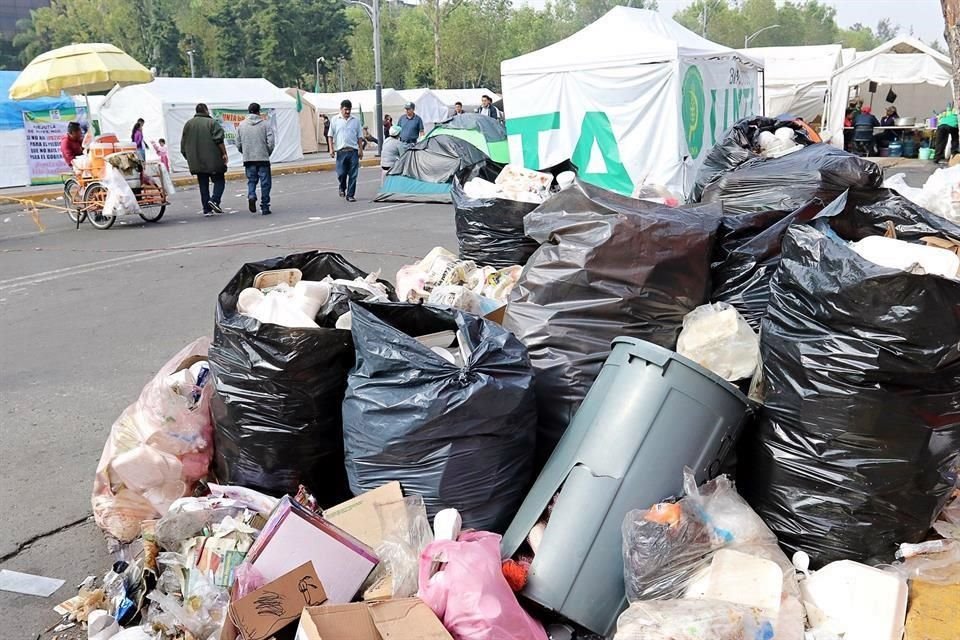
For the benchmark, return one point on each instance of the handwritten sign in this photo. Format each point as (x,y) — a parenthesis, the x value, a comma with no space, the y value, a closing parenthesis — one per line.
(264,612)
(44,131)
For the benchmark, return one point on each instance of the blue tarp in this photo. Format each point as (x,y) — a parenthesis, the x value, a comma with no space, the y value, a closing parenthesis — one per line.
(11,111)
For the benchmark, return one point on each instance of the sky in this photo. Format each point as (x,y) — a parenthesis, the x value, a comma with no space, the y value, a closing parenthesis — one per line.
(925,16)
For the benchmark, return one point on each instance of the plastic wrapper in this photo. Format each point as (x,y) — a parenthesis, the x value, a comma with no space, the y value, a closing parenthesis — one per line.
(939,194)
(692,620)
(469,593)
(406,533)
(747,255)
(817,171)
(739,144)
(278,390)
(490,230)
(715,336)
(939,567)
(158,448)
(188,517)
(201,612)
(607,266)
(461,437)
(857,444)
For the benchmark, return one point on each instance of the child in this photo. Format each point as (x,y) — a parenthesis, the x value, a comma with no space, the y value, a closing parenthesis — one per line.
(161,150)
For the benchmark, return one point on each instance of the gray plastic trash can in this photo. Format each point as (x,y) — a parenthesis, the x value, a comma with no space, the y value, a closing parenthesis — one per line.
(650,413)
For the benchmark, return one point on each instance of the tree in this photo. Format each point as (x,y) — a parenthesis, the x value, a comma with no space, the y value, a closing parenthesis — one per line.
(859,37)
(886,31)
(951,33)
(9,54)
(438,11)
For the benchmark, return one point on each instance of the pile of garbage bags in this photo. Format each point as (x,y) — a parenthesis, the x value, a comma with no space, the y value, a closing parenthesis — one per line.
(344,454)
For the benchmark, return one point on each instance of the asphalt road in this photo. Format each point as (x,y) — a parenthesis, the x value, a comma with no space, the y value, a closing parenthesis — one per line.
(88,316)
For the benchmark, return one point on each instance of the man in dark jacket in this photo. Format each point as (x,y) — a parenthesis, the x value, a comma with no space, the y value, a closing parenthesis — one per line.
(202,145)
(255,140)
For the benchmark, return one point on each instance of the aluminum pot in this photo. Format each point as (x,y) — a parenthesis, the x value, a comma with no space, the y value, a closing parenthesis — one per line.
(905,122)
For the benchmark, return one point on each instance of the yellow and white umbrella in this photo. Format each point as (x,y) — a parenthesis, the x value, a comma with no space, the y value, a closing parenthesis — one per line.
(78,69)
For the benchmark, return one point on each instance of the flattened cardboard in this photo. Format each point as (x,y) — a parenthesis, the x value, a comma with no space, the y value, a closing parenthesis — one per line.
(402,619)
(258,615)
(359,517)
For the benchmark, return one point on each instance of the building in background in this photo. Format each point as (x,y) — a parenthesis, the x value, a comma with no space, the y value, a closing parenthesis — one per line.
(13,10)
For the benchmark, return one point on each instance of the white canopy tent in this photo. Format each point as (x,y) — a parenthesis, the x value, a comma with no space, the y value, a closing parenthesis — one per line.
(470,98)
(429,107)
(796,79)
(919,75)
(167,103)
(632,99)
(364,102)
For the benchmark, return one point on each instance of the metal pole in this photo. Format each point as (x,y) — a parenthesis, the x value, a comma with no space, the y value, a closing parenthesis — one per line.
(747,39)
(378,80)
(193,73)
(316,79)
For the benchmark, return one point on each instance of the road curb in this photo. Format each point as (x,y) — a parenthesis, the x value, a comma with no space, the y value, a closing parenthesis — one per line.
(182,181)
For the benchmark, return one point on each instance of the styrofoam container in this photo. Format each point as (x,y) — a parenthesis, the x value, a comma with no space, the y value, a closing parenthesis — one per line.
(744,579)
(864,603)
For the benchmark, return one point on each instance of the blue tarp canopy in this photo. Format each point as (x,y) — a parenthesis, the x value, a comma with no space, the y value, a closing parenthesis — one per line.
(11,111)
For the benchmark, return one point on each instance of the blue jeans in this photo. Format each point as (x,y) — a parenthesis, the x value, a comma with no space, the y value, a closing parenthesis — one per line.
(203,181)
(348,167)
(259,173)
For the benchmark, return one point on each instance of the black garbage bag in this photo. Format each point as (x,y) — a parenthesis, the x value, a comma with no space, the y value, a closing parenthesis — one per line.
(737,145)
(747,255)
(607,266)
(459,437)
(490,231)
(857,445)
(817,171)
(278,391)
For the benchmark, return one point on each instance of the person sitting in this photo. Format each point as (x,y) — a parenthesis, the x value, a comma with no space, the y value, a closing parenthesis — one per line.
(946,128)
(71,145)
(368,138)
(863,125)
(890,119)
(848,129)
(391,150)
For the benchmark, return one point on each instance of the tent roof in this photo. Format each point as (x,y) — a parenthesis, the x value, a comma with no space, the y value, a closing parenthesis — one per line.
(429,106)
(437,159)
(330,102)
(798,65)
(11,111)
(491,128)
(213,91)
(903,60)
(622,37)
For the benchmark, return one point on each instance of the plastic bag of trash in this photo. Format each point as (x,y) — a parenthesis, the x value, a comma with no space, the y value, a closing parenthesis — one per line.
(469,593)
(158,448)
(939,194)
(747,255)
(817,171)
(490,230)
(607,266)
(406,533)
(737,145)
(854,448)
(120,198)
(279,390)
(692,620)
(715,336)
(460,436)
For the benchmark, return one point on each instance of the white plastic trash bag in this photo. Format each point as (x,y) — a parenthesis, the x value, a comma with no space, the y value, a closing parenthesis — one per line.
(692,620)
(120,197)
(717,337)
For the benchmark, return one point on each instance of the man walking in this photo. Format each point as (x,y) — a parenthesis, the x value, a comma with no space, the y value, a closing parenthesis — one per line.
(202,146)
(346,146)
(487,108)
(255,140)
(411,126)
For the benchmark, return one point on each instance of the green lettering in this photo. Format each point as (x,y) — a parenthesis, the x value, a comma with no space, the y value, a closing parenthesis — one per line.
(529,128)
(713,116)
(736,105)
(596,128)
(726,109)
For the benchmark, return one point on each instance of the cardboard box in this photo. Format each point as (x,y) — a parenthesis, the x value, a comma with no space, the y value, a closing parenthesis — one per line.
(258,615)
(359,516)
(403,619)
(294,535)
(934,612)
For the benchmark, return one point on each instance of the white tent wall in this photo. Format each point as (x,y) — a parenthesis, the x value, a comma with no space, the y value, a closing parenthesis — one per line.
(13,150)
(329,104)
(918,75)
(796,79)
(428,106)
(632,99)
(166,104)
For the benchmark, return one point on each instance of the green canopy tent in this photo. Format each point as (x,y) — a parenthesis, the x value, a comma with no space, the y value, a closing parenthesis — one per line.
(485,133)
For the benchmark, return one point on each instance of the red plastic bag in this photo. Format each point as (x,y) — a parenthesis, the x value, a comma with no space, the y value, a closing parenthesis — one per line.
(469,593)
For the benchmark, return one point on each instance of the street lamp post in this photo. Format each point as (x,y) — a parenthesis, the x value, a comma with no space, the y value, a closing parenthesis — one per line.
(193,73)
(374,14)
(747,39)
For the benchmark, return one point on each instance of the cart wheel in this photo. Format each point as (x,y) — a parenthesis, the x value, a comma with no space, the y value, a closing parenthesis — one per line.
(154,217)
(96,195)
(71,193)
